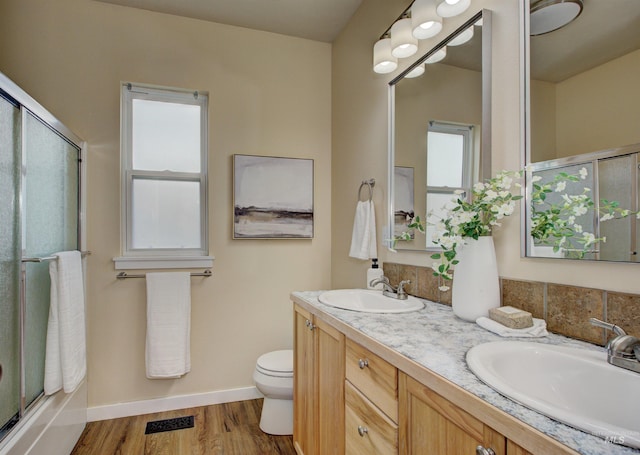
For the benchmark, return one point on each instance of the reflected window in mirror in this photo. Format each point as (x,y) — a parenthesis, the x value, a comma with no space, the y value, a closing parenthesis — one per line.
(450,168)
(448,104)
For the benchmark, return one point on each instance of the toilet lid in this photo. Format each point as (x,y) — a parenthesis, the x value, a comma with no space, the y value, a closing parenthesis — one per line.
(277,362)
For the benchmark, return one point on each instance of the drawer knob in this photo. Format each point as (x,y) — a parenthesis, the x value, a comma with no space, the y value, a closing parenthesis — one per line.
(362,363)
(482,451)
(362,430)
(309,324)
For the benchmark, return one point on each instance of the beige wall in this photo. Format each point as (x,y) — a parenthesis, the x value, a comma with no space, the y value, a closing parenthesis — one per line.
(360,147)
(269,95)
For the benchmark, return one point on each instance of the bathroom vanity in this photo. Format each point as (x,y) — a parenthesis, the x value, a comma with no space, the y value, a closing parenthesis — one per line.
(399,384)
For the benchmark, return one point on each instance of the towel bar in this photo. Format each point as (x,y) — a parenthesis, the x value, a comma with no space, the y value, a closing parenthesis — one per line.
(51,258)
(123,275)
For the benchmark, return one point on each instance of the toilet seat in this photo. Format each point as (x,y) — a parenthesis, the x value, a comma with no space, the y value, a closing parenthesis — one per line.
(277,364)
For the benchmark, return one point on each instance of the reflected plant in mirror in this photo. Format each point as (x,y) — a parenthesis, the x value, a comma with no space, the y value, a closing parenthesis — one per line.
(562,208)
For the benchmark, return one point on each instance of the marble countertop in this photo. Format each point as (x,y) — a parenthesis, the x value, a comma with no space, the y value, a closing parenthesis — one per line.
(434,338)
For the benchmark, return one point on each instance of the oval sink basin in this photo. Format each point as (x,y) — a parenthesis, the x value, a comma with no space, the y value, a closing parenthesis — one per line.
(575,386)
(368,301)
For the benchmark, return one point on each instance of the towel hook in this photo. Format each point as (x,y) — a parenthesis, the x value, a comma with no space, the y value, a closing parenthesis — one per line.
(370,183)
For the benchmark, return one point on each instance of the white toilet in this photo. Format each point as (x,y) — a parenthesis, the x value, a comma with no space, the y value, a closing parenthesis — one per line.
(274,379)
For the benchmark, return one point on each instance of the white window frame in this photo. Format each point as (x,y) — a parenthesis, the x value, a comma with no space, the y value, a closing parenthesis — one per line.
(161,258)
(468,163)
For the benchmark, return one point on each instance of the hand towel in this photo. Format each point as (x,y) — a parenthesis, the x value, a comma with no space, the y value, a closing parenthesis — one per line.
(539,328)
(65,352)
(167,352)
(363,238)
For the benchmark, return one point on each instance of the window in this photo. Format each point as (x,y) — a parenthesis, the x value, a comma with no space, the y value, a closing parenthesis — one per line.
(450,166)
(164,178)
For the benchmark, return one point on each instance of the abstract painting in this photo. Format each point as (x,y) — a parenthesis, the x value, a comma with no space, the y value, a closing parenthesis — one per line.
(272,197)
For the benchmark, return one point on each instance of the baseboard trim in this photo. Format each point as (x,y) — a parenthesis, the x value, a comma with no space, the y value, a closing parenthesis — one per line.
(132,408)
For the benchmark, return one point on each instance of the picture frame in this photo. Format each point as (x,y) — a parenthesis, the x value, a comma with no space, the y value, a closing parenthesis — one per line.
(272,197)
(403,203)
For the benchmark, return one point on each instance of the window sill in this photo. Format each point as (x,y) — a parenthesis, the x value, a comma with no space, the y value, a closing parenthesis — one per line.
(163,262)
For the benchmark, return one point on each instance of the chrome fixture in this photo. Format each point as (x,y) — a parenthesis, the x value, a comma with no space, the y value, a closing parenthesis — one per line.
(389,291)
(549,15)
(623,350)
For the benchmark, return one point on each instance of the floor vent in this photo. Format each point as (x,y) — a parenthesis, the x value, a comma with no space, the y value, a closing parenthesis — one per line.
(179,423)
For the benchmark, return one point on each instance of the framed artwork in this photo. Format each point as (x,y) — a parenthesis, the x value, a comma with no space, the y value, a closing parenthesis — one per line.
(403,199)
(272,197)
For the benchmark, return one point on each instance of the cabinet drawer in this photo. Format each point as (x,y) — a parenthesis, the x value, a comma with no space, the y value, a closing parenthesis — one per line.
(374,377)
(367,429)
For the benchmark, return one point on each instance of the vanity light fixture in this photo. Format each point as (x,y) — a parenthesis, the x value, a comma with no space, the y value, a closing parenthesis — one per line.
(437,56)
(451,8)
(403,43)
(425,22)
(462,38)
(417,71)
(549,15)
(383,61)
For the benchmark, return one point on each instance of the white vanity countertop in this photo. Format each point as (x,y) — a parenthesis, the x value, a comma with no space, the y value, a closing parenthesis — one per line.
(436,339)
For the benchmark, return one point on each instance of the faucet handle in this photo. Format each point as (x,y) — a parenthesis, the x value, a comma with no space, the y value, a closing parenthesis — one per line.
(606,325)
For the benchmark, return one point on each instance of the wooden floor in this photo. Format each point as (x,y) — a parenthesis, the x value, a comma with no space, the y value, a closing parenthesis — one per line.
(223,429)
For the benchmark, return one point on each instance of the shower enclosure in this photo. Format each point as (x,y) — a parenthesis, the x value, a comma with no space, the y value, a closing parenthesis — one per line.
(40,168)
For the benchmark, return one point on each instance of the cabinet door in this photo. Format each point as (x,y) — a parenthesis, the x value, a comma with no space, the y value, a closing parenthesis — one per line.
(430,424)
(330,373)
(303,383)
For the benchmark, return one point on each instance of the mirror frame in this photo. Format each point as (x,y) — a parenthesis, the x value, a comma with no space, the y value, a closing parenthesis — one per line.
(485,143)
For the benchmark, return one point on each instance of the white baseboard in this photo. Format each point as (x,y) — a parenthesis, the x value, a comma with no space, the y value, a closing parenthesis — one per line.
(132,408)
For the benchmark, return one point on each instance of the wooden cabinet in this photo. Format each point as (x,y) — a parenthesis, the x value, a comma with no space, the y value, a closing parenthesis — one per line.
(371,403)
(318,389)
(430,424)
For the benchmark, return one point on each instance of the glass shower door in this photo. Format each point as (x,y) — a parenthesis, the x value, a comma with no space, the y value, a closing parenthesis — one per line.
(50,224)
(9,265)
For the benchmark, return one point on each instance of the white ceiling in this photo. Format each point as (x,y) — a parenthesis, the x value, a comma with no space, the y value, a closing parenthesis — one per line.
(320,20)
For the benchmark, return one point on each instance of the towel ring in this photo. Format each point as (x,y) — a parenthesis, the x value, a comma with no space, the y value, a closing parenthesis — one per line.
(370,183)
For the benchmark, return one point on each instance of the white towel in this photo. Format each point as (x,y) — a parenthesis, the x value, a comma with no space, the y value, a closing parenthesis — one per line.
(168,325)
(363,238)
(65,354)
(538,329)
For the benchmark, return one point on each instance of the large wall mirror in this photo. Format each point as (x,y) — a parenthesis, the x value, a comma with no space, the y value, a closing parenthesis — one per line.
(439,127)
(583,118)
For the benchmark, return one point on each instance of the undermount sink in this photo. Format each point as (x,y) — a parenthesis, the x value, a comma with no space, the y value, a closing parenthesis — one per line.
(368,301)
(574,386)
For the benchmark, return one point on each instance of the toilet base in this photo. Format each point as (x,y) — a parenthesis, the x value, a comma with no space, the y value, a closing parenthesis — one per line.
(277,416)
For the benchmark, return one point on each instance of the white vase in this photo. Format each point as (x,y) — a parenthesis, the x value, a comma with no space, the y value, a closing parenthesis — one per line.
(475,288)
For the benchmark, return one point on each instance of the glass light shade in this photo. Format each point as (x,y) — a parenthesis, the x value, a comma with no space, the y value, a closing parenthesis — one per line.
(437,56)
(550,15)
(383,61)
(462,38)
(425,23)
(403,43)
(450,8)
(417,71)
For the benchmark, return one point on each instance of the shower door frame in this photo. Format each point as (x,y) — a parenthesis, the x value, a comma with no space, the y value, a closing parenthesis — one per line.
(27,105)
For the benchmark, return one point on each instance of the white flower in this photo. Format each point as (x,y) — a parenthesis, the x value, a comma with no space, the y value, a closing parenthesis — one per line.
(490,195)
(625,212)
(504,194)
(458,192)
(580,210)
(479,187)
(560,186)
(588,238)
(443,288)
(583,173)
(577,228)
(606,217)
(535,178)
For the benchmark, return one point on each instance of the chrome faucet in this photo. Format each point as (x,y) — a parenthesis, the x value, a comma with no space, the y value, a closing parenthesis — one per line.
(623,350)
(389,291)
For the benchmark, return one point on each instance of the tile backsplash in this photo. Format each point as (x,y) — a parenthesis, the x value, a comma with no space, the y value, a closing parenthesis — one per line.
(566,309)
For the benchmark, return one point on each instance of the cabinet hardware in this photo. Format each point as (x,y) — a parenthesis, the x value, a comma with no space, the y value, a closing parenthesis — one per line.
(362,363)
(482,451)
(364,430)
(309,324)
